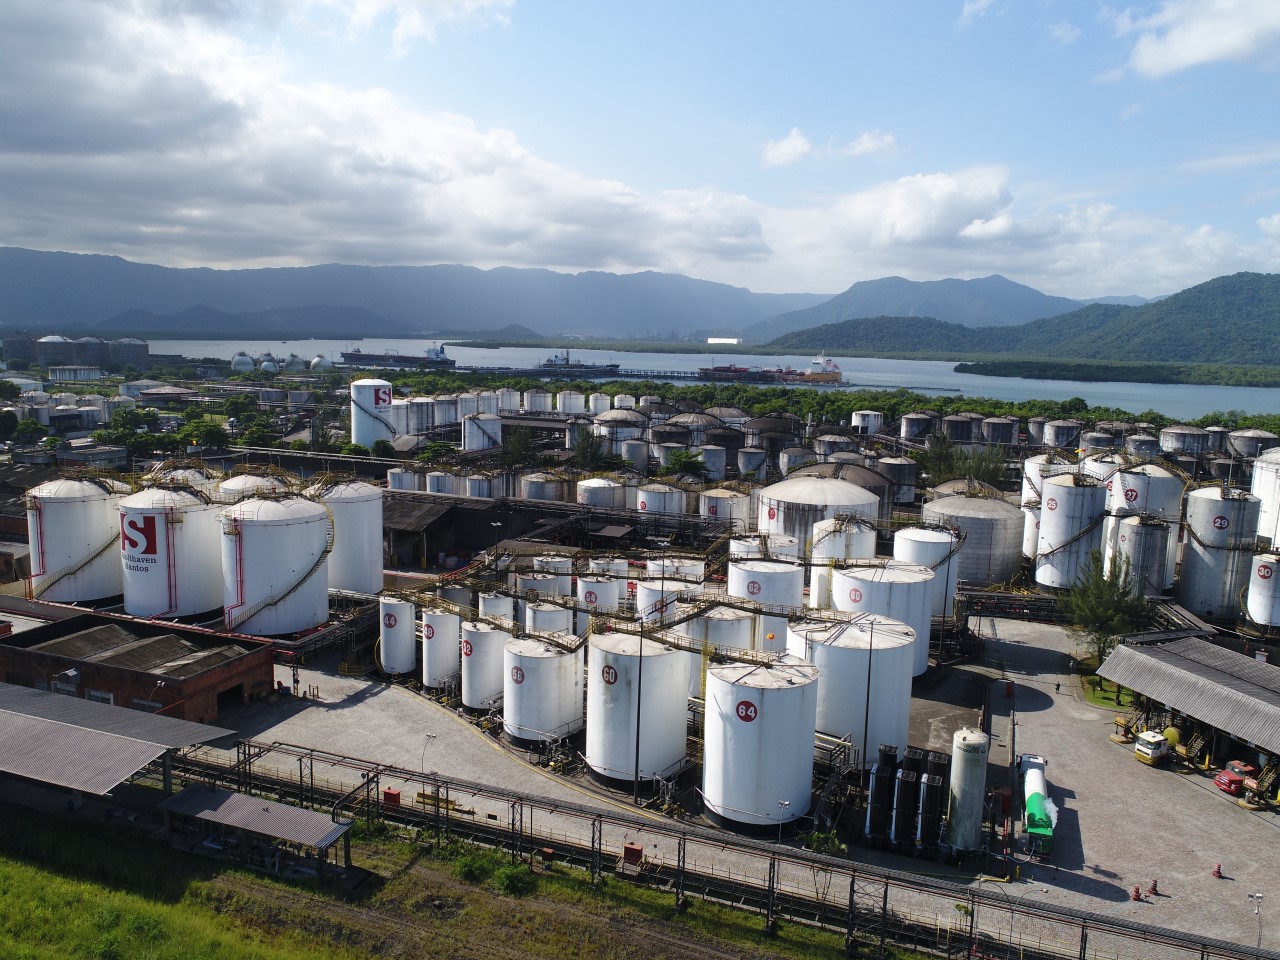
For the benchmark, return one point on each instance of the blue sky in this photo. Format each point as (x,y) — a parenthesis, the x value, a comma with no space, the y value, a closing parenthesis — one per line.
(1081,148)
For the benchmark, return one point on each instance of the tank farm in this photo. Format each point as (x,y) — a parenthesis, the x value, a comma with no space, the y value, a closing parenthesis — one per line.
(744,650)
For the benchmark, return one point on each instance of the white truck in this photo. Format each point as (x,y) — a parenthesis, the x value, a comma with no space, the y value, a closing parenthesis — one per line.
(1151,748)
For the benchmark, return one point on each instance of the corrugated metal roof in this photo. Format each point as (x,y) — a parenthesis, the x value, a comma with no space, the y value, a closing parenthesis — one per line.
(266,817)
(113,645)
(166,732)
(410,514)
(1227,690)
(84,745)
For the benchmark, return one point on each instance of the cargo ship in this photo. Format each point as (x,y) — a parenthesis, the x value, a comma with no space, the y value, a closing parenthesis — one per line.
(732,373)
(432,358)
(561,363)
(822,369)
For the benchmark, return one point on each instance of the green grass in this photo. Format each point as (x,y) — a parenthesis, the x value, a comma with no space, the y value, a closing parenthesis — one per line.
(1102,693)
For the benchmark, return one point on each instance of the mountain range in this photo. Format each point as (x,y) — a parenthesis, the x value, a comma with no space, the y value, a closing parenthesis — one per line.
(1231,320)
(988,301)
(64,292)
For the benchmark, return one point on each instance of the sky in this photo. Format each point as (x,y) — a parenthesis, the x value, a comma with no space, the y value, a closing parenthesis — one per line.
(1083,149)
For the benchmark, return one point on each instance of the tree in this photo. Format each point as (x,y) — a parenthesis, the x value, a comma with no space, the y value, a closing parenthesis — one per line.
(1105,605)
(517,446)
(384,450)
(239,405)
(589,452)
(9,390)
(193,413)
(684,462)
(8,424)
(946,460)
(435,451)
(354,450)
(204,433)
(257,436)
(29,431)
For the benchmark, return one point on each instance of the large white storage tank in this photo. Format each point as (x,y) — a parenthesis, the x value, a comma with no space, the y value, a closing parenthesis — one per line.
(901,591)
(371,412)
(171,555)
(601,492)
(797,503)
(241,486)
(770,582)
(731,505)
(73,528)
(597,594)
(1071,515)
(765,546)
(356,561)
(482,656)
(1263,599)
(969,751)
(481,431)
(655,598)
(616,702)
(757,759)
(1150,489)
(541,691)
(397,651)
(544,617)
(864,677)
(1141,542)
(935,549)
(661,498)
(274,558)
(1266,487)
(836,540)
(1218,554)
(992,548)
(441,646)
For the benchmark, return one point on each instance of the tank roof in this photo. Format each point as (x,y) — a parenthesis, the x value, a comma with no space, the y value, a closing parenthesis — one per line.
(282,510)
(962,506)
(819,490)
(629,645)
(859,631)
(622,415)
(787,671)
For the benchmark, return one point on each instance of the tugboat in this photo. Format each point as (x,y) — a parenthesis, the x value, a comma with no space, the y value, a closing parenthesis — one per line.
(433,357)
(560,363)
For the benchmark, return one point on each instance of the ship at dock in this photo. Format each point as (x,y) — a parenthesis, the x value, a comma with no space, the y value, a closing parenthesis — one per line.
(562,363)
(822,369)
(433,358)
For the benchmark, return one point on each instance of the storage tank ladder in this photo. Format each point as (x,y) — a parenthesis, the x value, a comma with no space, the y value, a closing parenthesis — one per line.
(377,416)
(74,567)
(249,613)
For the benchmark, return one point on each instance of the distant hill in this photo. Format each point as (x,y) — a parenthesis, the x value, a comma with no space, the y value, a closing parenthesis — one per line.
(41,291)
(205,321)
(1230,320)
(990,301)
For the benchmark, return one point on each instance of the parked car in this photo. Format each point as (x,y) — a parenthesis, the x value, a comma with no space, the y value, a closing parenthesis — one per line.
(1231,778)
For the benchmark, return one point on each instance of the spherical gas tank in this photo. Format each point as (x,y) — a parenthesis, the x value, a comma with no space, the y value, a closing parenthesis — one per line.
(171,553)
(274,555)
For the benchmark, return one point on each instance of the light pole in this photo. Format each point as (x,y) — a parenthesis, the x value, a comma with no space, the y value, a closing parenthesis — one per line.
(1256,900)
(783,807)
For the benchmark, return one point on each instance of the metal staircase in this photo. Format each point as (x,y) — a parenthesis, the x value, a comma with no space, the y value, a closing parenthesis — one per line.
(72,568)
(248,613)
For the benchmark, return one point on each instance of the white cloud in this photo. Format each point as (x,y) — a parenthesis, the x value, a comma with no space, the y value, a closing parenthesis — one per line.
(1064,33)
(413,20)
(784,152)
(1186,33)
(872,141)
(1270,225)
(974,8)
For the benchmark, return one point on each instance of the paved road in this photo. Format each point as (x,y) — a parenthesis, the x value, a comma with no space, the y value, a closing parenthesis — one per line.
(1121,824)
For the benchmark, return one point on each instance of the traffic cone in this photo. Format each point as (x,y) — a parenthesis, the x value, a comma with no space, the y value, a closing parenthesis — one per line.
(1154,889)
(1135,893)
(1217,870)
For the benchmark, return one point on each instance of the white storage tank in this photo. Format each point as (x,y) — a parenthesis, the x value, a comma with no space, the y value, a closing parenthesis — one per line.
(482,656)
(397,653)
(1251,443)
(544,617)
(481,431)
(901,591)
(1064,434)
(601,492)
(1218,553)
(935,549)
(836,540)
(752,462)
(356,561)
(609,566)
(765,546)
(478,486)
(571,402)
(1070,528)
(680,568)
(73,528)
(244,485)
(757,764)
(1149,489)
(865,664)
(1263,602)
(544,486)
(1142,445)
(446,409)
(597,594)
(636,452)
(716,460)
(624,401)
(772,582)
(1142,542)
(867,421)
(797,503)
(1181,438)
(536,401)
(992,548)
(617,698)
(661,498)
(915,426)
(731,505)
(599,403)
(1034,470)
(439,482)
(274,565)
(400,478)
(422,415)
(371,412)
(902,473)
(542,691)
(1030,529)
(468,406)
(1266,487)
(441,646)
(171,554)
(969,751)
(655,598)
(498,606)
